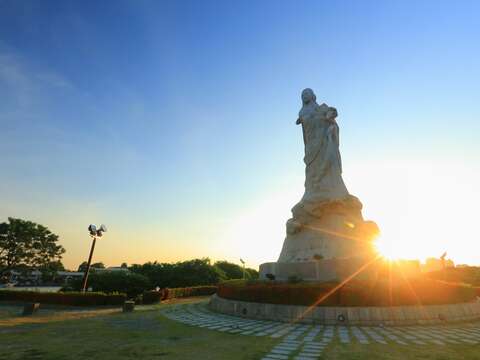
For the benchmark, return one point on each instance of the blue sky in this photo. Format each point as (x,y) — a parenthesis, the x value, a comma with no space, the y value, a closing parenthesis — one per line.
(174,122)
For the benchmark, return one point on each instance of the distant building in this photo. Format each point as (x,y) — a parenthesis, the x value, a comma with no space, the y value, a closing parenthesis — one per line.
(34,277)
(113,268)
(67,276)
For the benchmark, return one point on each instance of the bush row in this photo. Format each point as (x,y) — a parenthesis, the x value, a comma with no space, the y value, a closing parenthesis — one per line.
(154,296)
(70,298)
(141,278)
(196,272)
(355,293)
(190,291)
(124,282)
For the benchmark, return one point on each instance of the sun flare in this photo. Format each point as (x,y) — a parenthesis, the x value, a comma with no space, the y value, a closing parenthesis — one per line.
(386,249)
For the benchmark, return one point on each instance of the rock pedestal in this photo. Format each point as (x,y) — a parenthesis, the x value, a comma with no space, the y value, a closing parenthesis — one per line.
(328,230)
(322,270)
(326,241)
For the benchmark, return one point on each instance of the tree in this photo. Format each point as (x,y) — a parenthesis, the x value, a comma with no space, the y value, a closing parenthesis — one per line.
(232,271)
(27,244)
(83,266)
(186,273)
(49,271)
(251,273)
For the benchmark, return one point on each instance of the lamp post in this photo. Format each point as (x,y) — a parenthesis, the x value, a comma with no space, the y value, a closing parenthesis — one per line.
(442,258)
(243,262)
(94,233)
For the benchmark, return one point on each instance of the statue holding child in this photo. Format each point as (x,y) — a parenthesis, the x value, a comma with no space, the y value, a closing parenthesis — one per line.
(323,173)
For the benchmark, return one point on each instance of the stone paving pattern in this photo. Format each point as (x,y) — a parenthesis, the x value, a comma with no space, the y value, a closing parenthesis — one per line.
(304,341)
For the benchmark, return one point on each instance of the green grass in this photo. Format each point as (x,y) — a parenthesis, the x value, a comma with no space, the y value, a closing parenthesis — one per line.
(138,335)
(7,312)
(108,334)
(356,351)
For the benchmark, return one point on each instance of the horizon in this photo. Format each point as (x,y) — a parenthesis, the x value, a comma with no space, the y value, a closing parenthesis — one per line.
(178,131)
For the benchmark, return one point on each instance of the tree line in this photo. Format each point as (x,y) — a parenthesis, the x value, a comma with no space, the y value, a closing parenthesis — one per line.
(191,273)
(153,275)
(27,246)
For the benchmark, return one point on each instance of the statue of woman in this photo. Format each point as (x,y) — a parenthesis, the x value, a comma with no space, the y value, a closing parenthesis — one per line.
(323,173)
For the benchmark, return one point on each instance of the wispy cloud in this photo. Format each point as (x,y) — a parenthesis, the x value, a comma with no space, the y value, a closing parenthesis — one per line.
(24,88)
(15,84)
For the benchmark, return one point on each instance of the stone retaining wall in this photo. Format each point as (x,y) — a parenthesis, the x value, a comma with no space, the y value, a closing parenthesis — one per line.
(393,315)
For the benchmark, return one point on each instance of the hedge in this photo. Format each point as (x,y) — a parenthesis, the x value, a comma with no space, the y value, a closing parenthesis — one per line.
(60,298)
(154,296)
(355,293)
(190,291)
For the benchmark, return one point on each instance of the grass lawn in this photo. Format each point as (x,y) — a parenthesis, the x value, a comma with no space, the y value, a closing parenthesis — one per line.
(139,335)
(146,334)
(356,351)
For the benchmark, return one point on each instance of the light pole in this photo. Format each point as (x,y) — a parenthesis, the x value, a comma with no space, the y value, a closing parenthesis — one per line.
(94,233)
(442,258)
(243,262)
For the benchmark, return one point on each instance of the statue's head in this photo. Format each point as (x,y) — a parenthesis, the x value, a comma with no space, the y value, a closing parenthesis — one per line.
(331,113)
(308,96)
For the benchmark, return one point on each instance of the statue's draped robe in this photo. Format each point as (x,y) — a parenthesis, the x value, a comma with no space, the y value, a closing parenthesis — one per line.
(323,180)
(327,223)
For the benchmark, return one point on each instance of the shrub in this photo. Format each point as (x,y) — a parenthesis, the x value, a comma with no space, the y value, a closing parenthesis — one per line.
(153,296)
(354,293)
(139,299)
(294,279)
(129,283)
(270,276)
(190,291)
(70,298)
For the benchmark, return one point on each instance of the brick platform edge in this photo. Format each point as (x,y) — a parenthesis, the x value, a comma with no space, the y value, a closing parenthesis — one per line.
(393,315)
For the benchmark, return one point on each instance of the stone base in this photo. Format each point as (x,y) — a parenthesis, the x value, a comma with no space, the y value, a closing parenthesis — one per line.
(328,230)
(321,270)
(364,316)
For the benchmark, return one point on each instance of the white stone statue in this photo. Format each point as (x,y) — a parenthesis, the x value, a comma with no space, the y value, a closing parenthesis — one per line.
(323,173)
(327,223)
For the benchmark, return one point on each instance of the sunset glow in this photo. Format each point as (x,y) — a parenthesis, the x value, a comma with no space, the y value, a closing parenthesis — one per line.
(192,150)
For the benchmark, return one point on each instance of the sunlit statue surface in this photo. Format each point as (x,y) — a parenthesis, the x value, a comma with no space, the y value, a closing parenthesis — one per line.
(323,174)
(327,230)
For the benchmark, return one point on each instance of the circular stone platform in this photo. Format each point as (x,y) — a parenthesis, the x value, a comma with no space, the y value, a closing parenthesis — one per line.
(372,315)
(308,341)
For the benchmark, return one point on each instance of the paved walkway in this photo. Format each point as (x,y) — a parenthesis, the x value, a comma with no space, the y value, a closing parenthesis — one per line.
(305,342)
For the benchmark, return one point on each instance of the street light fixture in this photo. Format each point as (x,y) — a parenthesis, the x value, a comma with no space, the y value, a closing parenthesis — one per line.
(94,233)
(243,262)
(442,258)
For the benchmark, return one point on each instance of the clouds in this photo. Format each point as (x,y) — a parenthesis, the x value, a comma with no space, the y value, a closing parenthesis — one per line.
(16,87)
(26,90)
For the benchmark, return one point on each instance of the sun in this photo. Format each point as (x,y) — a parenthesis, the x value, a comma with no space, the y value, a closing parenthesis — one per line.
(386,249)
